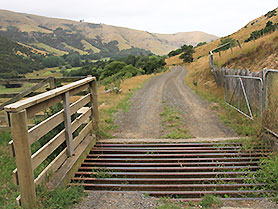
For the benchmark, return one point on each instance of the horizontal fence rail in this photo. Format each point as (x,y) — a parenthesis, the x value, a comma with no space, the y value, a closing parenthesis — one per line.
(44,148)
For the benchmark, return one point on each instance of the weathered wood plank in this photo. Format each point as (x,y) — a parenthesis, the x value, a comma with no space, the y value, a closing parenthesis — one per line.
(67,122)
(20,105)
(52,167)
(81,119)
(79,89)
(83,133)
(44,127)
(57,162)
(20,80)
(32,110)
(39,156)
(19,131)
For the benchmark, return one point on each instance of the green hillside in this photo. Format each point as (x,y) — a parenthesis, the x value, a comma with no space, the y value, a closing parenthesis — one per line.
(16,59)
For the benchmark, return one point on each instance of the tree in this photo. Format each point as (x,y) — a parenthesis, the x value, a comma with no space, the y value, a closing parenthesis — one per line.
(112,68)
(53,61)
(74,60)
(187,54)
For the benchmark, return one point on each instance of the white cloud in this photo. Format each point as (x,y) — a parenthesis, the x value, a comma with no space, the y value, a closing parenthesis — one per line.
(218,17)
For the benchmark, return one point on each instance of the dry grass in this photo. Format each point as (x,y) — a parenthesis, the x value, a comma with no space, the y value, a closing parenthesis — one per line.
(175,60)
(33,49)
(254,55)
(49,48)
(240,35)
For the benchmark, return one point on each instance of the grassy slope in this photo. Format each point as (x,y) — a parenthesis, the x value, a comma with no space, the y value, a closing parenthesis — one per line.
(253,55)
(157,43)
(49,49)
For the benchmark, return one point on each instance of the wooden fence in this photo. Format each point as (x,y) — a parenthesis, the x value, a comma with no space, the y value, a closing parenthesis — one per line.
(40,82)
(86,120)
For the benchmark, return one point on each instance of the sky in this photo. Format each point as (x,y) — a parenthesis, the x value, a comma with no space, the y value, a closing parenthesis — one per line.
(217,17)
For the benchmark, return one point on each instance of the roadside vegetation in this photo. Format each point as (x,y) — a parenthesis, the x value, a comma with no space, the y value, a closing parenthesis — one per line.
(173,124)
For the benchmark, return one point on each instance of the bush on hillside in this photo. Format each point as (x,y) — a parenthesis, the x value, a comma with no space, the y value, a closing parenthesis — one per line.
(269,28)
(115,80)
(270,14)
(53,61)
(231,41)
(200,44)
(187,55)
(175,52)
(111,69)
(74,60)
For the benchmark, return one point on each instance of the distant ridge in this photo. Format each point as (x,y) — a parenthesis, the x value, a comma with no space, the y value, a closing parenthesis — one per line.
(61,36)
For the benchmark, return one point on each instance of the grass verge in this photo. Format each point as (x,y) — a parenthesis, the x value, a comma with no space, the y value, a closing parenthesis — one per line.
(173,125)
(208,90)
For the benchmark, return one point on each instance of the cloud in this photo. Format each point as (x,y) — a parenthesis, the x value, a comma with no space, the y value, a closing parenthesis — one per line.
(161,16)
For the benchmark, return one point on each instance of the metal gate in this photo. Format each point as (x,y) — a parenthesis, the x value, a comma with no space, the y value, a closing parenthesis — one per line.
(245,94)
(255,97)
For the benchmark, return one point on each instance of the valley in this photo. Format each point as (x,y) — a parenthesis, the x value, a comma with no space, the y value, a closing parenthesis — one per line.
(153,90)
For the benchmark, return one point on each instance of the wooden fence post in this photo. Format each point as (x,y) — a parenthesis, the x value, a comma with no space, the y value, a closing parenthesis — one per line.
(19,131)
(94,103)
(52,83)
(67,119)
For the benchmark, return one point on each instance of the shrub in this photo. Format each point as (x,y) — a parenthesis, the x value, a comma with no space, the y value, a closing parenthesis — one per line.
(187,54)
(269,28)
(53,61)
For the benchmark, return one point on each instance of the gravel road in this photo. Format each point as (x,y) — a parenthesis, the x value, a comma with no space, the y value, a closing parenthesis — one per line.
(143,119)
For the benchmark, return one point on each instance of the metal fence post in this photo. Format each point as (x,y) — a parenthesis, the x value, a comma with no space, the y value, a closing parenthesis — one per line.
(20,138)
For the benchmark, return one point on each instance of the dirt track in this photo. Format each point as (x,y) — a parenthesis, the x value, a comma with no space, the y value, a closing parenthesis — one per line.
(143,119)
